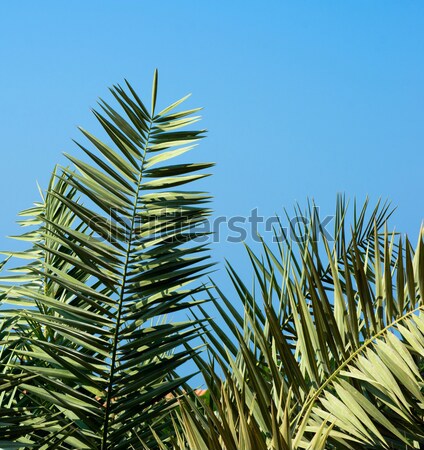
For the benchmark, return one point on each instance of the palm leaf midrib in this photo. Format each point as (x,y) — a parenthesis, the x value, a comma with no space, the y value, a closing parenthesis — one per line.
(333,376)
(122,289)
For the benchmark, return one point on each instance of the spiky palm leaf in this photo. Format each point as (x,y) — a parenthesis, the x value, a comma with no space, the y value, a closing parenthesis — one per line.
(327,351)
(90,362)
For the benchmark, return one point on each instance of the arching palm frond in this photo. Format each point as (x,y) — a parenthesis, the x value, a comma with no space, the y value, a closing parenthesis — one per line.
(114,251)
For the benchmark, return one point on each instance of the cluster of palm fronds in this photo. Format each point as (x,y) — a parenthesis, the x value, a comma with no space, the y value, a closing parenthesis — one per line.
(325,351)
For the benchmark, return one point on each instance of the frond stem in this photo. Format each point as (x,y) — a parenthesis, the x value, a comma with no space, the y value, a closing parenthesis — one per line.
(121,296)
(359,350)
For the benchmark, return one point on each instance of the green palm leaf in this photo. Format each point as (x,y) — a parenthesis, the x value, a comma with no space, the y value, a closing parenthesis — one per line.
(114,251)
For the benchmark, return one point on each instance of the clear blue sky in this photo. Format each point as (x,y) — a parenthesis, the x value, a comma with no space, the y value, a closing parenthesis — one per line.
(302,99)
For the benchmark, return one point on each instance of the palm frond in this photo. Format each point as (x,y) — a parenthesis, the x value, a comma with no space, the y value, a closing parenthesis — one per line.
(114,251)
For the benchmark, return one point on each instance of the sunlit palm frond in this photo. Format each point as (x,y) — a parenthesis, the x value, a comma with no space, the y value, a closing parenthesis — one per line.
(292,366)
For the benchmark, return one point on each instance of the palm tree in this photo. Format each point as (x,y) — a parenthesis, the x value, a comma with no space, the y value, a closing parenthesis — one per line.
(325,352)
(86,358)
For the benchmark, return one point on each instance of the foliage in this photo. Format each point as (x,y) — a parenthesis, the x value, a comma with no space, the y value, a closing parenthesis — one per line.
(86,359)
(324,351)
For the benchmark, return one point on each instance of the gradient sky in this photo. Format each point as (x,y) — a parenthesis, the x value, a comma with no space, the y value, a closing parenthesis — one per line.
(302,99)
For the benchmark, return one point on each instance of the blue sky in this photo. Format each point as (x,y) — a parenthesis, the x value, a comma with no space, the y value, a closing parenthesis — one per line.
(302,99)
